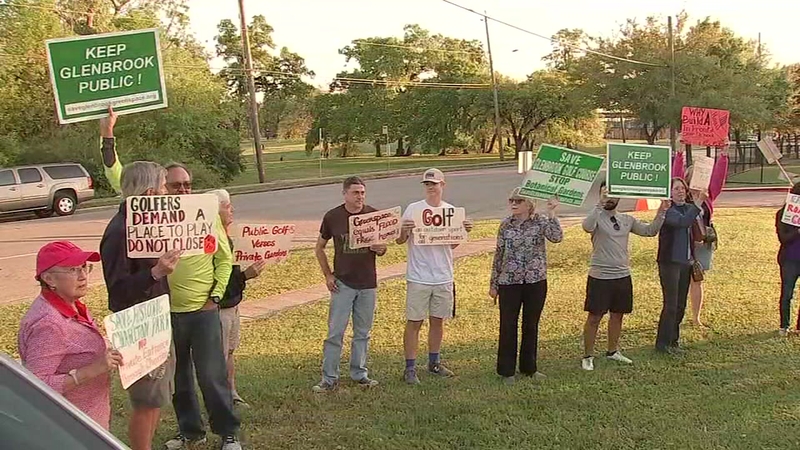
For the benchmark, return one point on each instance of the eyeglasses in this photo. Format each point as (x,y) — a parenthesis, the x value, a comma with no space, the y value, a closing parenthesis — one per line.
(177,185)
(614,221)
(516,201)
(76,271)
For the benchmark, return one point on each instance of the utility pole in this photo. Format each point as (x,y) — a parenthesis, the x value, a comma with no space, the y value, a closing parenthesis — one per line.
(494,88)
(673,138)
(251,87)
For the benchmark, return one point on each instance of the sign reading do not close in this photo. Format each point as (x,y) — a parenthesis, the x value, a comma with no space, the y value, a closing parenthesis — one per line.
(91,73)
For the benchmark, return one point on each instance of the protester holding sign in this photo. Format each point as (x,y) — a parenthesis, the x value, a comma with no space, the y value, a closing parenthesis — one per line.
(704,249)
(352,283)
(519,279)
(132,281)
(196,287)
(234,294)
(609,287)
(675,264)
(429,279)
(59,341)
(788,257)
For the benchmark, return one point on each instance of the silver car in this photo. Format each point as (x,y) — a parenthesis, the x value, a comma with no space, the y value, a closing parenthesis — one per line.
(35,417)
(44,189)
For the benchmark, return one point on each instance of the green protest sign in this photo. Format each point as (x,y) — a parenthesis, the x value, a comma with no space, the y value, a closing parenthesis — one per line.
(89,73)
(637,171)
(563,172)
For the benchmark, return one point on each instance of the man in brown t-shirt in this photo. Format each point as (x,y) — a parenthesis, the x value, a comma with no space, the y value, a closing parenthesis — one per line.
(352,283)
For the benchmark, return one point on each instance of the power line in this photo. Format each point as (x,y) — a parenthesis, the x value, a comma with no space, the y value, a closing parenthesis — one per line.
(416,82)
(411,83)
(411,47)
(556,41)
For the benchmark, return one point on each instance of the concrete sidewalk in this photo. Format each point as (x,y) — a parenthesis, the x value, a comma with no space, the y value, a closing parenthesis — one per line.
(259,309)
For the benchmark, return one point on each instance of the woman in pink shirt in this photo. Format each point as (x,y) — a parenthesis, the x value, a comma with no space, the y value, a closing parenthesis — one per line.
(703,251)
(58,339)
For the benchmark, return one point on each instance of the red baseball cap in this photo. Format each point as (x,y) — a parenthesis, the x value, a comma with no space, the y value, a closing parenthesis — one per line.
(62,254)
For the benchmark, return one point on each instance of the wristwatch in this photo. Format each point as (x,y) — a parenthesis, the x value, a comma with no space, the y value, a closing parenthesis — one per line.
(74,374)
(215,299)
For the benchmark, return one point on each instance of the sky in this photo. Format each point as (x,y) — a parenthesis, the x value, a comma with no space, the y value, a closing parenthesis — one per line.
(317,29)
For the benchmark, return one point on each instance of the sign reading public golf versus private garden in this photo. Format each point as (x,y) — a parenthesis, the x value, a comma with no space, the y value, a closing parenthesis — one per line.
(569,174)
(638,171)
(91,73)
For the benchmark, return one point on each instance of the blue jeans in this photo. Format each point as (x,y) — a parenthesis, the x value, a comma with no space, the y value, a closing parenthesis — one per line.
(790,271)
(361,304)
(198,338)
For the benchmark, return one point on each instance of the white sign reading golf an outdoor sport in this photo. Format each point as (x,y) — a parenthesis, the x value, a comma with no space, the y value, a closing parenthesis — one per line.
(262,242)
(157,224)
(439,226)
(142,334)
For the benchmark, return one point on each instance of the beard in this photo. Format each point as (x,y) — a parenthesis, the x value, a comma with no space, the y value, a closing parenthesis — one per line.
(610,205)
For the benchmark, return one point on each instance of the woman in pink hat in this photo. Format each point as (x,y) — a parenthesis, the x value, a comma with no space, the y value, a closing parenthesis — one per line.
(58,339)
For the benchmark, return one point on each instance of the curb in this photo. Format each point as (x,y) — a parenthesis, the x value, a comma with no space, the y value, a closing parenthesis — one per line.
(757,189)
(109,202)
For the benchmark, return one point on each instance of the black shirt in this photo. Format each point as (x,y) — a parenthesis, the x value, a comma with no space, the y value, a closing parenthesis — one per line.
(353,267)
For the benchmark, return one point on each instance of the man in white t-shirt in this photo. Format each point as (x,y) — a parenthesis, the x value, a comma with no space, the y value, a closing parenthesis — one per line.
(429,278)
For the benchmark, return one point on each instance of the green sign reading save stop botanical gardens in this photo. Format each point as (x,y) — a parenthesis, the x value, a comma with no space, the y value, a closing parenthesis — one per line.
(558,171)
(91,73)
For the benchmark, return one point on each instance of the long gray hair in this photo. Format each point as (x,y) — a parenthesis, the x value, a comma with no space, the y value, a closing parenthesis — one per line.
(140,176)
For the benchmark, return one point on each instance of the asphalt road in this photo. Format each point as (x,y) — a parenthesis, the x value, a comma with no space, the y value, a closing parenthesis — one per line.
(483,193)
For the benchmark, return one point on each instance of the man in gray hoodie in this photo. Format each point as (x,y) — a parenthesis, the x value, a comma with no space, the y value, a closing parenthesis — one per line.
(609,287)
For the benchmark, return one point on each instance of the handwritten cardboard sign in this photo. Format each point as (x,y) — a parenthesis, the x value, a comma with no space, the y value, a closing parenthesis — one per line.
(439,226)
(261,242)
(769,150)
(160,223)
(379,227)
(791,214)
(704,126)
(142,334)
(702,167)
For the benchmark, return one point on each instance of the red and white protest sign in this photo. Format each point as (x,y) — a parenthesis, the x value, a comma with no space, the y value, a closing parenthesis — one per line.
(157,224)
(261,242)
(704,126)
(379,227)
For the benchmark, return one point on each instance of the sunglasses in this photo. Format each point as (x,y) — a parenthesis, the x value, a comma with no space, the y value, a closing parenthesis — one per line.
(516,201)
(614,221)
(76,271)
(175,186)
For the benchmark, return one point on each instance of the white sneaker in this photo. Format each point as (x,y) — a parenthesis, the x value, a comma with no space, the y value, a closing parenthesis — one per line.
(231,443)
(617,356)
(783,332)
(587,363)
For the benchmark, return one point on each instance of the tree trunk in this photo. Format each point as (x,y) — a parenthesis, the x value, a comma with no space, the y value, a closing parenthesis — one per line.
(688,153)
(378,148)
(326,148)
(400,150)
(483,145)
(518,143)
(409,147)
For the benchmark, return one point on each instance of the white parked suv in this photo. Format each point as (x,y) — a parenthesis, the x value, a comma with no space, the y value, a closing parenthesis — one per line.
(44,188)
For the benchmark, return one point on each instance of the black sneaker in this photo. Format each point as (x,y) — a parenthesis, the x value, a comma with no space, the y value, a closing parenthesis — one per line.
(230,443)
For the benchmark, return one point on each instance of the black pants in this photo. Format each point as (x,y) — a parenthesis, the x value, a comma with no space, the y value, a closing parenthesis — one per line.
(675,279)
(198,336)
(529,297)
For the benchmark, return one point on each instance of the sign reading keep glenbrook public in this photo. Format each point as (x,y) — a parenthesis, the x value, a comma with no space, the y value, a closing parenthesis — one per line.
(638,171)
(91,73)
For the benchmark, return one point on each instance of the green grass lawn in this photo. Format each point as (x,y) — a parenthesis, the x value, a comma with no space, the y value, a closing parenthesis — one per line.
(736,387)
(771,176)
(296,165)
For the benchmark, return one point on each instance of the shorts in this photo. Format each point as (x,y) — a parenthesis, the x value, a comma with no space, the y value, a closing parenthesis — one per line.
(428,300)
(614,295)
(230,329)
(155,389)
(704,253)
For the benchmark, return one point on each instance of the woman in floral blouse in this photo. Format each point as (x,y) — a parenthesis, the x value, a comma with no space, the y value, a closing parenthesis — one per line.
(519,278)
